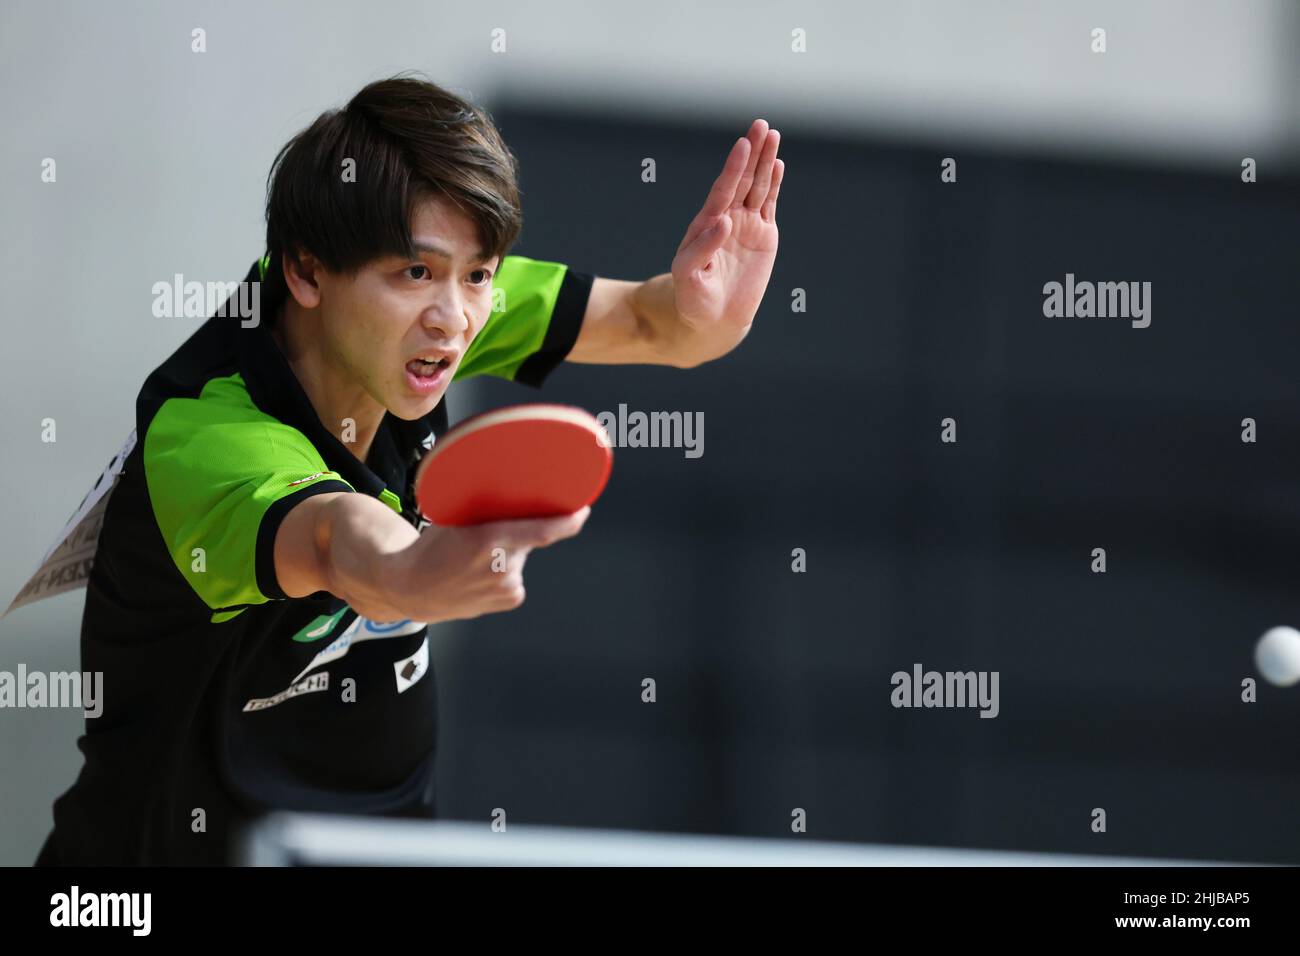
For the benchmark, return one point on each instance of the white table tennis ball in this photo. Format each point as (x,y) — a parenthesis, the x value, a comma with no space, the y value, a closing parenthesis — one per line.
(1277,656)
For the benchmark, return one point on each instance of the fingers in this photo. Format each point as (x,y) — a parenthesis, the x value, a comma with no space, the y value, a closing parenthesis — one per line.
(757,133)
(737,176)
(746,179)
(763,171)
(723,194)
(768,210)
(460,573)
(518,538)
(536,532)
(512,591)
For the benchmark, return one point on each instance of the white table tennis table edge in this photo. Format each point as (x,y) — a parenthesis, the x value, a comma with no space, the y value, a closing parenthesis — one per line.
(292,838)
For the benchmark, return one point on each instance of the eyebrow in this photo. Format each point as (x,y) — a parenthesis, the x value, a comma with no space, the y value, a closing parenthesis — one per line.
(422,247)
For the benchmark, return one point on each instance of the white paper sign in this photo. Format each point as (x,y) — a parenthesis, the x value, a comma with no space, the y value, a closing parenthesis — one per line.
(66,565)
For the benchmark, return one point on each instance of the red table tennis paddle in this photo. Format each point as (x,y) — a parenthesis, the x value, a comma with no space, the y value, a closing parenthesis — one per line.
(522,461)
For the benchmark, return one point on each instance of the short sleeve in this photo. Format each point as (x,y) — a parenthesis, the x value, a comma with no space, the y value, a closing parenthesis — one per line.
(221,476)
(537,314)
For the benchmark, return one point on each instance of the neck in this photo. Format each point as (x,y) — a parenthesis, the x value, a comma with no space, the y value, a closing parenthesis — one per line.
(336,396)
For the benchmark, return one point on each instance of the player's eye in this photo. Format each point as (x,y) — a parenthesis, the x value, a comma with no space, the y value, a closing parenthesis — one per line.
(480,277)
(410,269)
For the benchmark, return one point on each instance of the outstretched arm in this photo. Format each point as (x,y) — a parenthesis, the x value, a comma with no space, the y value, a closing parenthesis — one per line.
(704,307)
(361,551)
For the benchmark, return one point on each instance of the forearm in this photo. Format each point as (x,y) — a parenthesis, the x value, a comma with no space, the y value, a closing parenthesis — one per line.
(358,549)
(364,548)
(350,545)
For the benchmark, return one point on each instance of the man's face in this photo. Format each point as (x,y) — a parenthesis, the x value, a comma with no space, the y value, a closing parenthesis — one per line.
(399,327)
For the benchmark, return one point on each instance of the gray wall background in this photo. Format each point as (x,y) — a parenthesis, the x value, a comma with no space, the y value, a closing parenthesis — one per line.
(162,155)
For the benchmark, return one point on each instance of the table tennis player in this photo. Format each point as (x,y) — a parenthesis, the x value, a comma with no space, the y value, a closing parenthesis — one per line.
(261,593)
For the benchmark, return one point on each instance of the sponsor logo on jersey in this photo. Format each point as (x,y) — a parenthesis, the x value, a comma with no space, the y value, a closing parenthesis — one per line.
(312,684)
(303,481)
(320,627)
(410,669)
(361,629)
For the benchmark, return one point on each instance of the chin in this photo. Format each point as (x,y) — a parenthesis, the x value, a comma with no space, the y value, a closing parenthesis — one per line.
(410,408)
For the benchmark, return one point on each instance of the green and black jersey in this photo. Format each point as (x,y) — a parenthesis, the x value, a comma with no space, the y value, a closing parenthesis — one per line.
(223,698)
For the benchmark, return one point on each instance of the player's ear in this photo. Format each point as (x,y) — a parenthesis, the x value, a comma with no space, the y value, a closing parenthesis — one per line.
(302,276)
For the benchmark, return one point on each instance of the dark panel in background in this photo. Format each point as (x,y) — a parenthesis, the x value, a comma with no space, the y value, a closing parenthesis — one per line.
(1119,690)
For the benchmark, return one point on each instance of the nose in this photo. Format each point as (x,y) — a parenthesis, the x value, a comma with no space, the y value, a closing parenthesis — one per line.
(445,317)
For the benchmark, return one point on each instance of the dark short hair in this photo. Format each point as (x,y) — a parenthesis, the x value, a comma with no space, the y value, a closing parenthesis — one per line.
(410,140)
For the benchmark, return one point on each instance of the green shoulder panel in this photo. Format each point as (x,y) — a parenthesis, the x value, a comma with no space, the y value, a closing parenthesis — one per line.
(524,293)
(214,465)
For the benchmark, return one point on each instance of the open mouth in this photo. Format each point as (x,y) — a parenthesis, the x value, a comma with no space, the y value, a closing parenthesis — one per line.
(428,373)
(427,367)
